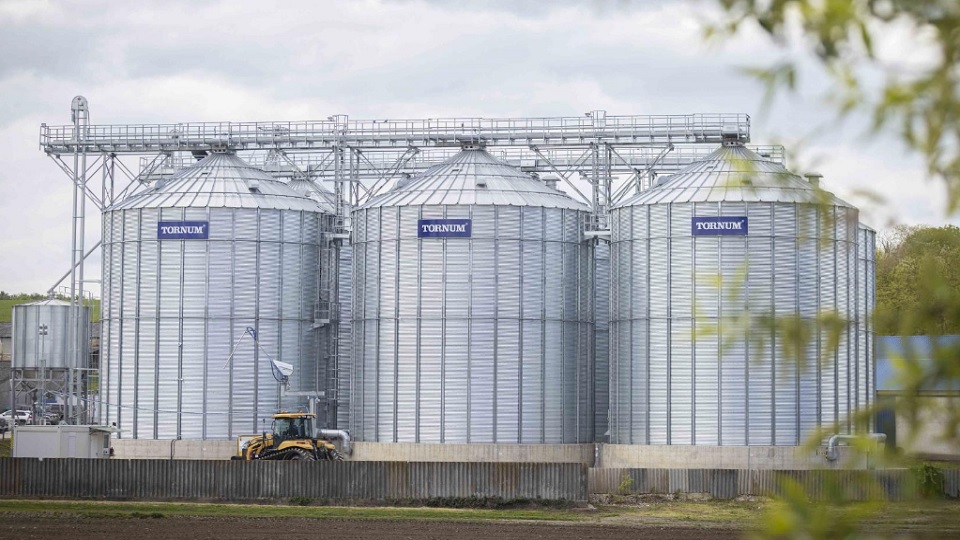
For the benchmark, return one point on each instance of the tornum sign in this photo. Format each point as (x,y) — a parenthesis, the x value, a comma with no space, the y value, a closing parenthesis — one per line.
(719,226)
(443,228)
(183,230)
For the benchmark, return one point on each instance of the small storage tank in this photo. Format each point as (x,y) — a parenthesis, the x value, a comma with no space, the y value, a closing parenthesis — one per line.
(472,313)
(188,266)
(60,347)
(705,268)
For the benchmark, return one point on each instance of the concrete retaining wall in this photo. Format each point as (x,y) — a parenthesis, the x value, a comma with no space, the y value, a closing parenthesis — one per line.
(279,481)
(608,455)
(476,453)
(727,457)
(184,449)
(364,451)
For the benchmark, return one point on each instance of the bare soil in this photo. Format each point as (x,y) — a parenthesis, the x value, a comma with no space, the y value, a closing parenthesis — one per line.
(35,526)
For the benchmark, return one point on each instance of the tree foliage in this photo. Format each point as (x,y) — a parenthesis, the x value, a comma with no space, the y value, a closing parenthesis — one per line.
(918,100)
(918,281)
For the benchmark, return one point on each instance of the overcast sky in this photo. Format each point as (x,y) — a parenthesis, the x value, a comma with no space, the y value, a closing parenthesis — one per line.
(179,61)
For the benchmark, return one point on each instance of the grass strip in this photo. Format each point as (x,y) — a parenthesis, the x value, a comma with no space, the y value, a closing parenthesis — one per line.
(732,512)
(144,509)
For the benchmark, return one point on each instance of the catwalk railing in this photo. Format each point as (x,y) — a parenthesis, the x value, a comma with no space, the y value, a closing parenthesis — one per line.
(342,132)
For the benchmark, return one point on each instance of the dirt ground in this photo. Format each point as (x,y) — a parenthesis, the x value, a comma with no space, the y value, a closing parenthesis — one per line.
(28,527)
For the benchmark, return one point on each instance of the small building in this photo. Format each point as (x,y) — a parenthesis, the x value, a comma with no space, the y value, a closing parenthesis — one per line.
(6,342)
(935,399)
(62,441)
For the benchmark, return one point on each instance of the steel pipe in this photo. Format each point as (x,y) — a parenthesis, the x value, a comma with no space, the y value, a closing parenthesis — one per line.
(833,453)
(341,434)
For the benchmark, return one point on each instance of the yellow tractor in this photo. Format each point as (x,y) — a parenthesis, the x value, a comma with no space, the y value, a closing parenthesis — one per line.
(291,439)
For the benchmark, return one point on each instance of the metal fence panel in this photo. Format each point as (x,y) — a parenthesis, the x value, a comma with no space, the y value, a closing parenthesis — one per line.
(419,481)
(889,484)
(237,481)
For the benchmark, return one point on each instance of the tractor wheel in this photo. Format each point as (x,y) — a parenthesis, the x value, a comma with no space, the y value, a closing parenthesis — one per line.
(300,455)
(335,456)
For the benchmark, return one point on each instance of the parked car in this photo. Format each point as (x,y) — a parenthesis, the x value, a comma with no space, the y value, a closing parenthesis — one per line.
(21,417)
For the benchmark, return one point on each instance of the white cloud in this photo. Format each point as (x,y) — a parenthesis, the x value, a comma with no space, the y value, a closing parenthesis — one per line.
(888,189)
(183,60)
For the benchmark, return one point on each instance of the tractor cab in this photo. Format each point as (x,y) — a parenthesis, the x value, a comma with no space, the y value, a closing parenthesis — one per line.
(291,438)
(292,426)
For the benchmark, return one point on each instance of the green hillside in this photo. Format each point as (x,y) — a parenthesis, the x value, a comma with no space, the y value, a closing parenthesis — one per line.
(6,307)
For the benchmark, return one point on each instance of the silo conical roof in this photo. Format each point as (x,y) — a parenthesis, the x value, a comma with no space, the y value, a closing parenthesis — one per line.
(474,177)
(734,173)
(323,197)
(220,180)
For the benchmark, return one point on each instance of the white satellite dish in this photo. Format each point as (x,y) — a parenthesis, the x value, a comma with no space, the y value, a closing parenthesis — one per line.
(281,370)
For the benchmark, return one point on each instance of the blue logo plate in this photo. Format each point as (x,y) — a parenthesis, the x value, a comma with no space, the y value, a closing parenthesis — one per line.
(183,230)
(719,226)
(443,228)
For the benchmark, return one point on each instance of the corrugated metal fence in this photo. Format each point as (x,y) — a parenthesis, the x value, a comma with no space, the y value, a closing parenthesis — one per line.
(421,481)
(890,484)
(247,481)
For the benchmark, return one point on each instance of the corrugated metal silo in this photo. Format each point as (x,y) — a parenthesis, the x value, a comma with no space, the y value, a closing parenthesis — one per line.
(188,266)
(705,267)
(60,347)
(866,277)
(472,318)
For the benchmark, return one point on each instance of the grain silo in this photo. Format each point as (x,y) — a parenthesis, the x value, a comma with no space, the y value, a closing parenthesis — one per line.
(710,271)
(189,265)
(866,303)
(472,320)
(50,357)
(56,346)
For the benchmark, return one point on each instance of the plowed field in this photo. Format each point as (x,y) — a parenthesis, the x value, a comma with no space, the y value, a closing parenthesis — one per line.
(36,526)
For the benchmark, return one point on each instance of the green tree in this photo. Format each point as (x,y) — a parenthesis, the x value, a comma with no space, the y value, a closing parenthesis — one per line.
(918,281)
(918,276)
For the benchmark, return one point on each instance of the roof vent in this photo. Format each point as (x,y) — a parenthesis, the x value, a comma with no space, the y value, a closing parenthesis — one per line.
(482,184)
(253,186)
(814,178)
(405,178)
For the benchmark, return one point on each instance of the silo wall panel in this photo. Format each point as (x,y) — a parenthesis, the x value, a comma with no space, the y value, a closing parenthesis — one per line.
(177,307)
(499,353)
(707,362)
